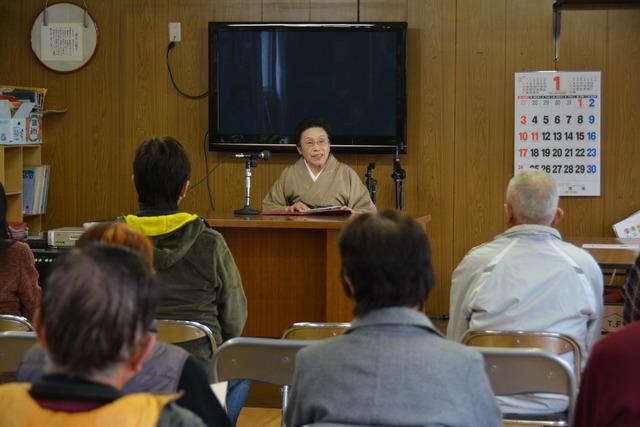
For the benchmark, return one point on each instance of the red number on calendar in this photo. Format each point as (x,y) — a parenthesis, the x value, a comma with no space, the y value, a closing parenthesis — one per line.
(557,80)
(523,136)
(523,120)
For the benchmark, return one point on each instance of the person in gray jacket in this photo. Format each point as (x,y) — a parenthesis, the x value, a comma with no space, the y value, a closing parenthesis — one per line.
(392,367)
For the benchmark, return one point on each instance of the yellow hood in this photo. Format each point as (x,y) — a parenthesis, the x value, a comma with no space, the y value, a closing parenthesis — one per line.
(158,225)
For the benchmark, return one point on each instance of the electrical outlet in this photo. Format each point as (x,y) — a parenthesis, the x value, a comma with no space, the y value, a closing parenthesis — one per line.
(174,32)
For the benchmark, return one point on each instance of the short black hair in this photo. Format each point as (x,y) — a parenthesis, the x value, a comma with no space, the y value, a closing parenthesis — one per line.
(98,303)
(308,123)
(387,258)
(160,168)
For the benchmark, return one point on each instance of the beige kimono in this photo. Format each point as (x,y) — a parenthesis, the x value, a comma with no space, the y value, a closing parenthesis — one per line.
(338,184)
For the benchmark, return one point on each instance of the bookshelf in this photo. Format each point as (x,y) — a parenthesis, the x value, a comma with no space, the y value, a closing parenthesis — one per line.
(13,158)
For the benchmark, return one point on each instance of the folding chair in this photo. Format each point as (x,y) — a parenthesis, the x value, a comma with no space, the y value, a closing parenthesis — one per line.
(178,331)
(311,331)
(314,330)
(548,341)
(13,346)
(14,323)
(265,360)
(525,370)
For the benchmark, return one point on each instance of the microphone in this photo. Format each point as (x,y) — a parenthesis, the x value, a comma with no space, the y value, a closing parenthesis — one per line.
(396,161)
(262,155)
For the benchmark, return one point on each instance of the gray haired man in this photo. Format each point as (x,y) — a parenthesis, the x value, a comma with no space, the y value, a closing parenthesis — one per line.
(528,279)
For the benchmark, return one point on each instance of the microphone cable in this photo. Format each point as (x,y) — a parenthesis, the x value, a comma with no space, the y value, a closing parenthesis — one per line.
(186,95)
(208,172)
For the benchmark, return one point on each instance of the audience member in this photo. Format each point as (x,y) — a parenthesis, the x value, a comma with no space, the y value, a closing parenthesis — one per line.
(609,387)
(198,276)
(392,367)
(528,279)
(169,368)
(631,311)
(19,290)
(94,326)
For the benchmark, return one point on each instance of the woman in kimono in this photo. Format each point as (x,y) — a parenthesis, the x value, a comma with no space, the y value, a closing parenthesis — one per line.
(317,179)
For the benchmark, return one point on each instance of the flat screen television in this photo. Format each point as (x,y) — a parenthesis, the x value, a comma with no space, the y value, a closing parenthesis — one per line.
(266,77)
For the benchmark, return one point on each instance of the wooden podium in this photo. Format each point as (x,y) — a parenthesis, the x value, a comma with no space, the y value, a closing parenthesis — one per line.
(290,268)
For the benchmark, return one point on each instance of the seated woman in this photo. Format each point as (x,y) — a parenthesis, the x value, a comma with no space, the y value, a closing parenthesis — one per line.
(19,290)
(392,367)
(168,368)
(317,179)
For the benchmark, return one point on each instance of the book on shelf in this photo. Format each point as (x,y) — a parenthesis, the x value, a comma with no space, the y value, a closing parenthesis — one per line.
(35,188)
(28,188)
(45,189)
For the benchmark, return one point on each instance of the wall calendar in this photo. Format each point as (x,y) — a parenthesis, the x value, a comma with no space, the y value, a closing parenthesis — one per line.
(557,128)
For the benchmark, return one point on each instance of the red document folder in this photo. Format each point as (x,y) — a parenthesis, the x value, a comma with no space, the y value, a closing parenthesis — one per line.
(325,210)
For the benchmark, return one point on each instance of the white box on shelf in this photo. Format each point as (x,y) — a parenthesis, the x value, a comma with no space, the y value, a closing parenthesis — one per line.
(16,128)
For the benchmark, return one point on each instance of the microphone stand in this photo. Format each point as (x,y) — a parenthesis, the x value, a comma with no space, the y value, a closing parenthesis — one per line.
(399,175)
(251,162)
(371,182)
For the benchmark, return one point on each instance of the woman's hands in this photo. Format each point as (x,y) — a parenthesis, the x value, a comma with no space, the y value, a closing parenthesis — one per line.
(297,207)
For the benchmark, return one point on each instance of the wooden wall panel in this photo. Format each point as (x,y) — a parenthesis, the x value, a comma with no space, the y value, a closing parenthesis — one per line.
(621,113)
(383,10)
(333,10)
(285,10)
(238,10)
(431,109)
(583,47)
(462,56)
(481,167)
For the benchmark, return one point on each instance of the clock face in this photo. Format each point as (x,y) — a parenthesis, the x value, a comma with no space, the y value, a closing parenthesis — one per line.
(64,37)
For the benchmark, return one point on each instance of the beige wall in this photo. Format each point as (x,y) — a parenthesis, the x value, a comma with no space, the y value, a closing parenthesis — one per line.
(462,56)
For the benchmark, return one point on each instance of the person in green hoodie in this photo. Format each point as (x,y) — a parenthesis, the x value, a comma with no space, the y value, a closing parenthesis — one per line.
(198,276)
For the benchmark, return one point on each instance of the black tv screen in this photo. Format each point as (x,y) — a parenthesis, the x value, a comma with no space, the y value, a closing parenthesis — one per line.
(266,77)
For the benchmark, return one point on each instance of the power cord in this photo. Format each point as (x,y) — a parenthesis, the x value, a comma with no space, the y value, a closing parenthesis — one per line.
(206,170)
(209,172)
(186,95)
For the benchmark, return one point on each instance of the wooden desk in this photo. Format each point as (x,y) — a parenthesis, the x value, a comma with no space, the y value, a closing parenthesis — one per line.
(610,258)
(290,268)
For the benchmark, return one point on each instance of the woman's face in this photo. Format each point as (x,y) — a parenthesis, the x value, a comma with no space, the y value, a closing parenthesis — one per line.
(314,147)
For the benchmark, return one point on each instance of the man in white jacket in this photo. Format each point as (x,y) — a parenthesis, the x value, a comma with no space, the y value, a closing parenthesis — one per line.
(528,279)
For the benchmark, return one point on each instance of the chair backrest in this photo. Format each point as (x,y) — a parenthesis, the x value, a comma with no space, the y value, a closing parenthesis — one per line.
(267,360)
(526,370)
(14,323)
(314,330)
(548,341)
(176,331)
(13,346)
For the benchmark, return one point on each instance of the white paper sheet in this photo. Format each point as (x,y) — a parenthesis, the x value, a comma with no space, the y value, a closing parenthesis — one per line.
(61,42)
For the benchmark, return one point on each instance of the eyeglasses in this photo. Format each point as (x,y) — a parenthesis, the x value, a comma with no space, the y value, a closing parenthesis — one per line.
(319,143)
